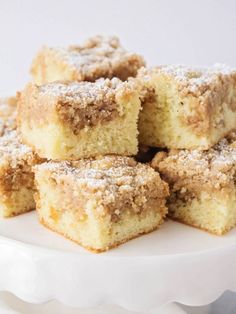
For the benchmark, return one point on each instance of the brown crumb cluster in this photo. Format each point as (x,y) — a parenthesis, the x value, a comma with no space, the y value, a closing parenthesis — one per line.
(78,104)
(194,80)
(194,170)
(116,183)
(98,57)
(86,104)
(15,163)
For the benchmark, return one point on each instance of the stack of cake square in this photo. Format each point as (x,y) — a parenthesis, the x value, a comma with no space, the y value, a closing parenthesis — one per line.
(70,146)
(81,116)
(192,113)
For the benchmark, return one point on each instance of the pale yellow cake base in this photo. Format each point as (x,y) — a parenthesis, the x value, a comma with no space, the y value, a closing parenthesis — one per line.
(207,212)
(16,202)
(126,230)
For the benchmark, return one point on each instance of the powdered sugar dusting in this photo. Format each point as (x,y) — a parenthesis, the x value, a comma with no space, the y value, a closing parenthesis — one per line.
(99,57)
(11,150)
(197,76)
(85,91)
(193,77)
(214,163)
(96,49)
(107,173)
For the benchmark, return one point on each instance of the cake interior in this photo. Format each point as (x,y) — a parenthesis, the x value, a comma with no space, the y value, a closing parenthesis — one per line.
(210,212)
(16,202)
(159,122)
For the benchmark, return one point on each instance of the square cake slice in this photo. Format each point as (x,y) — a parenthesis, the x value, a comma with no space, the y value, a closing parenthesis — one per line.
(97,57)
(76,120)
(202,185)
(100,203)
(16,176)
(187,108)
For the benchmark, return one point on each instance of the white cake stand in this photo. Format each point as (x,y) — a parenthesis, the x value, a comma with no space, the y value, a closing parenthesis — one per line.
(177,263)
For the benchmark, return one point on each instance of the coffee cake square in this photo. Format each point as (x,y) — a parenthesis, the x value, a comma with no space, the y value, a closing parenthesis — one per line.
(97,57)
(74,120)
(187,107)
(202,185)
(100,203)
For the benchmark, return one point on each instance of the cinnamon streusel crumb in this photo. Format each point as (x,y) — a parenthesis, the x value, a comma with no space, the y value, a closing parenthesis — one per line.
(97,57)
(215,169)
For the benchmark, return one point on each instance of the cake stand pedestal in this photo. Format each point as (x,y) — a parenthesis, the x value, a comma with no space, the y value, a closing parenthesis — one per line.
(174,264)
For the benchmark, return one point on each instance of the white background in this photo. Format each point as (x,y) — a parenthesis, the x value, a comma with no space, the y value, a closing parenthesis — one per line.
(184,31)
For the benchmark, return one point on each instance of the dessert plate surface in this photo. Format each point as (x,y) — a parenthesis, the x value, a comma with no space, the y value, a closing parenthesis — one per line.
(175,263)
(172,238)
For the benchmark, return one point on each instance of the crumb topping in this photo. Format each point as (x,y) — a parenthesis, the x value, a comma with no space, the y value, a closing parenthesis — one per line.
(194,80)
(12,152)
(106,172)
(85,92)
(16,161)
(100,57)
(212,169)
(116,182)
(84,104)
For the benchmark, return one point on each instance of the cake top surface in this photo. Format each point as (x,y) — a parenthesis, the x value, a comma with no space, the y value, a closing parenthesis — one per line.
(193,78)
(100,56)
(93,49)
(214,168)
(12,152)
(84,92)
(109,175)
